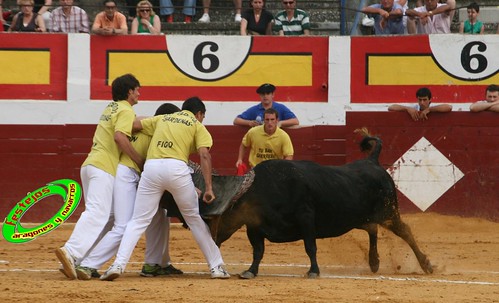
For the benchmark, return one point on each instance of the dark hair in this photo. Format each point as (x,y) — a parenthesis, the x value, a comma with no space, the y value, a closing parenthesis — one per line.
(271,111)
(166,108)
(194,105)
(122,85)
(423,92)
(492,88)
(106,1)
(474,6)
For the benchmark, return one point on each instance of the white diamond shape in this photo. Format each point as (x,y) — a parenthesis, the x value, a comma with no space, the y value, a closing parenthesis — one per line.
(423,174)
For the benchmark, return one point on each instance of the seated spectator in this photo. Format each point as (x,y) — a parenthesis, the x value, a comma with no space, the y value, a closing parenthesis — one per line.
(146,22)
(421,110)
(167,10)
(68,18)
(266,142)
(132,8)
(253,116)
(110,22)
(206,11)
(431,18)
(292,21)
(256,20)
(26,20)
(491,102)
(42,8)
(387,17)
(472,25)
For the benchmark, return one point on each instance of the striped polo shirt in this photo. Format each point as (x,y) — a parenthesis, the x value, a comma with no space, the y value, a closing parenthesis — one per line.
(295,26)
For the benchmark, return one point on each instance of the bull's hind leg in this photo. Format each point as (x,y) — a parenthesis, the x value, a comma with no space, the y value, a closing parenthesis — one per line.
(372,230)
(258,243)
(404,231)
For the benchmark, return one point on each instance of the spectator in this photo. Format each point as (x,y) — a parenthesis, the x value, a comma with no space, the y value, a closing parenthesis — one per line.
(256,20)
(98,171)
(42,8)
(132,8)
(387,17)
(472,25)
(146,22)
(206,11)
(421,110)
(266,142)
(491,102)
(69,19)
(125,189)
(431,18)
(167,9)
(110,22)
(405,6)
(292,21)
(26,20)
(174,138)
(253,116)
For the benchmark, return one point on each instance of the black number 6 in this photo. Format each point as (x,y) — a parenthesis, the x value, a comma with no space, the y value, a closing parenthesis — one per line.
(466,57)
(199,57)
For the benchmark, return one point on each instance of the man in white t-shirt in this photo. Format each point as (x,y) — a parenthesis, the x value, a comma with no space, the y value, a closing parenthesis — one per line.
(431,18)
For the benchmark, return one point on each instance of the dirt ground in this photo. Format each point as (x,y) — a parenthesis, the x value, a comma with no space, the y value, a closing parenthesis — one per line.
(464,252)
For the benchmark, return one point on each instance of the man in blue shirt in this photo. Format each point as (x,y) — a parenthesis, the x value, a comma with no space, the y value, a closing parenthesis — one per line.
(387,17)
(253,116)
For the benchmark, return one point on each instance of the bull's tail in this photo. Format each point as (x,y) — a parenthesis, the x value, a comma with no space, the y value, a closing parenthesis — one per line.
(370,144)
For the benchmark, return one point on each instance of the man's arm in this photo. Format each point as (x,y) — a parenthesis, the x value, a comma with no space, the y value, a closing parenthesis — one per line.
(205,157)
(484,106)
(288,157)
(243,122)
(441,108)
(126,147)
(401,108)
(289,122)
(240,155)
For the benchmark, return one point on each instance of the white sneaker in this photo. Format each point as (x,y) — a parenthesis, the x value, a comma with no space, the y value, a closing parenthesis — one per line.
(219,272)
(237,18)
(67,261)
(205,18)
(114,271)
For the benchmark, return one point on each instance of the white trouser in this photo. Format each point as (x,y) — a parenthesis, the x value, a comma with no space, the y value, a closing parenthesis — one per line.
(157,237)
(98,191)
(171,175)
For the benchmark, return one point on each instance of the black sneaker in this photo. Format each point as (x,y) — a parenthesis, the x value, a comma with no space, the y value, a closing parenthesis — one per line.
(169,270)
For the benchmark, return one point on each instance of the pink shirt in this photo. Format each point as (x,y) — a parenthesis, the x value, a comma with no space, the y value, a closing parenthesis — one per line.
(439,24)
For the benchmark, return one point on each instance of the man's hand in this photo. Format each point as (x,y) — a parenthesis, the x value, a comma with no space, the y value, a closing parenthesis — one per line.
(209,196)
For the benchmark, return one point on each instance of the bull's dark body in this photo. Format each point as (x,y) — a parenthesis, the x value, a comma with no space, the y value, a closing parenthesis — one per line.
(294,200)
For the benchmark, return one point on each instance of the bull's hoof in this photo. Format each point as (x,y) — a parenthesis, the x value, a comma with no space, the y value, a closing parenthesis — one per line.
(312,275)
(428,268)
(247,275)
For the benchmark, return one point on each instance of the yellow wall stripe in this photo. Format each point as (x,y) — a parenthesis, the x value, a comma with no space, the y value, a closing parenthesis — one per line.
(25,67)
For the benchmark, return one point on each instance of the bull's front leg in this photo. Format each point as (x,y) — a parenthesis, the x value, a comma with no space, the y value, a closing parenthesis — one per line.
(311,249)
(258,243)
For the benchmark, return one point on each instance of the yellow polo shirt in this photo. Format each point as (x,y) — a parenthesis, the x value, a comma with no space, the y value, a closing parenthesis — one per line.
(266,147)
(175,136)
(105,154)
(140,143)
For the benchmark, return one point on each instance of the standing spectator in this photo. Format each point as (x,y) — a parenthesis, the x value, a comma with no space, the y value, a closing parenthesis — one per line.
(387,17)
(167,10)
(431,18)
(206,11)
(292,21)
(146,22)
(125,189)
(253,116)
(69,19)
(97,172)
(472,25)
(174,138)
(256,20)
(27,20)
(491,102)
(421,110)
(266,142)
(110,22)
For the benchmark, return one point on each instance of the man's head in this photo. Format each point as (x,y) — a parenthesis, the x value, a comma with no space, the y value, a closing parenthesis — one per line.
(289,5)
(166,109)
(126,87)
(66,3)
(424,98)
(110,7)
(430,4)
(270,120)
(266,92)
(195,106)
(387,4)
(492,93)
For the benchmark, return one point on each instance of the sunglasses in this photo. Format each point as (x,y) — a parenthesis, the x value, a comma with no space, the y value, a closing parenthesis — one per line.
(288,2)
(110,7)
(144,10)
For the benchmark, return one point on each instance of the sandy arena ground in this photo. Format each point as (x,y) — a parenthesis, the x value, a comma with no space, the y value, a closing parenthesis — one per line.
(464,252)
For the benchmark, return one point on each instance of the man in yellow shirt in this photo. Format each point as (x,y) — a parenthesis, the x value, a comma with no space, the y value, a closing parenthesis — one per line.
(99,170)
(266,141)
(174,138)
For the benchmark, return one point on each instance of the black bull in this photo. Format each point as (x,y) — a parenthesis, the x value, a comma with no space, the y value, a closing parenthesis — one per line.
(292,200)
